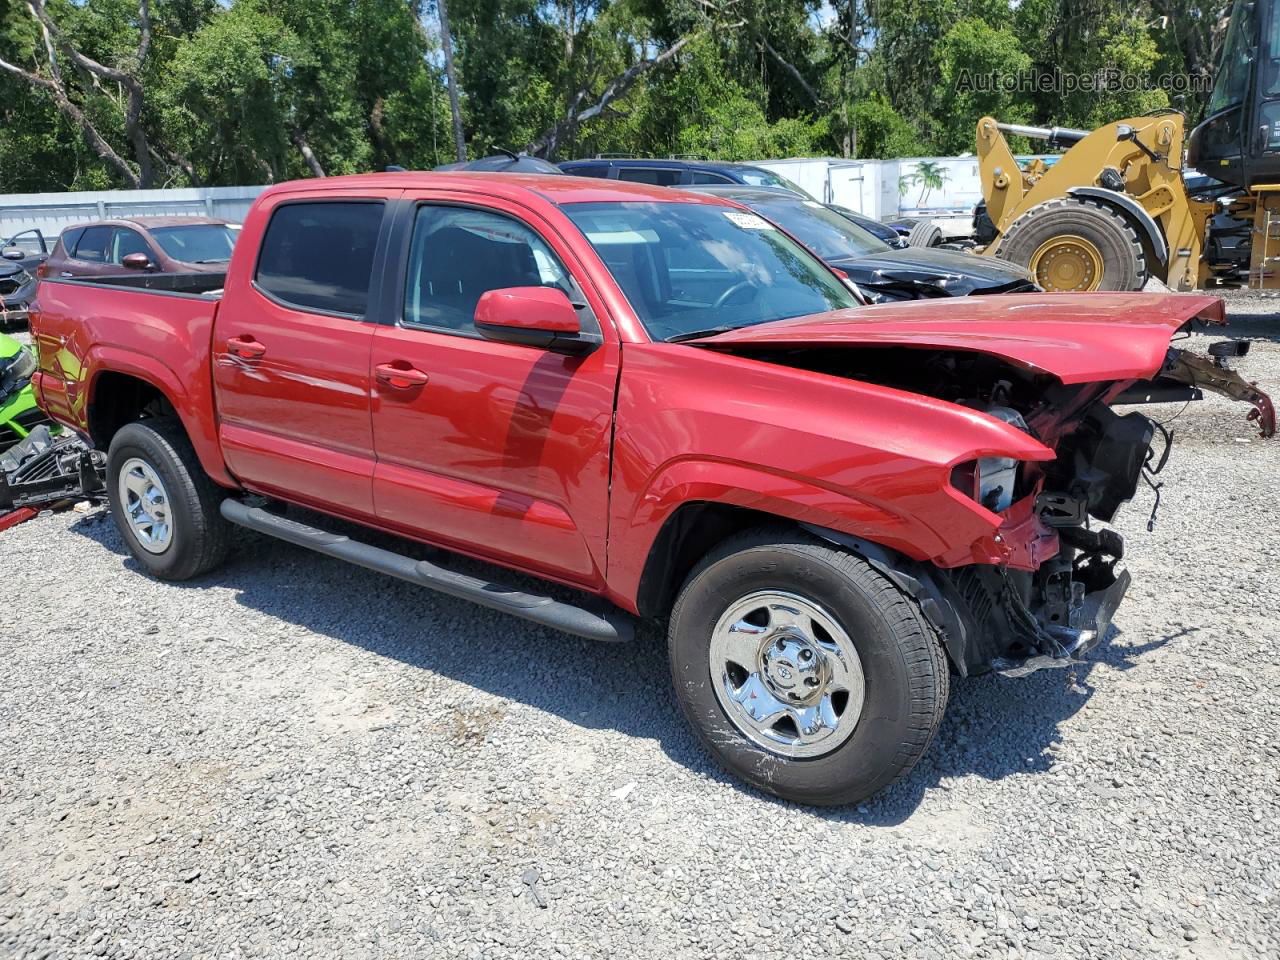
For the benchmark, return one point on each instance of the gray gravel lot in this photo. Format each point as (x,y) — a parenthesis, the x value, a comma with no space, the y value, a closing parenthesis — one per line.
(293,757)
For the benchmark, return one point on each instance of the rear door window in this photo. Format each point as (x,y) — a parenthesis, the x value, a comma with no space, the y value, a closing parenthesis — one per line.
(701,176)
(94,244)
(655,175)
(319,256)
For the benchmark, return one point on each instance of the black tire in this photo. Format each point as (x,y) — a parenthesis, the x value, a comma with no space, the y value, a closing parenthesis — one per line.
(903,664)
(1124,264)
(926,233)
(199,535)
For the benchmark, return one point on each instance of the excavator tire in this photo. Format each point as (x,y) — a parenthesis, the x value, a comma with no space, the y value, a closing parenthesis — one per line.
(1076,245)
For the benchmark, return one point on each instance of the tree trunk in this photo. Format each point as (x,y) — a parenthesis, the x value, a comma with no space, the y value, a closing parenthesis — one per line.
(455,107)
(300,141)
(96,142)
(128,79)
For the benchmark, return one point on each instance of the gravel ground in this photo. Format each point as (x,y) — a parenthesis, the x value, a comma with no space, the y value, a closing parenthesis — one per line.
(292,757)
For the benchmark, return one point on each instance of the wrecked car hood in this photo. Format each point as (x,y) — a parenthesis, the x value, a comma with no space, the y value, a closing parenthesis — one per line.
(1077,337)
(925,271)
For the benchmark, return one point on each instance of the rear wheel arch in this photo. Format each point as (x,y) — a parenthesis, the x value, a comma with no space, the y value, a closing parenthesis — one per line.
(116,397)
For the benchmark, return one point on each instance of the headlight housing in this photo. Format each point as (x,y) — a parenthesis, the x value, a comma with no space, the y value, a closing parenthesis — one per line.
(991,481)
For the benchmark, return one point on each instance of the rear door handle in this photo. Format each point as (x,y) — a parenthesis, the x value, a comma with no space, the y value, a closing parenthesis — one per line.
(400,375)
(245,347)
(67,273)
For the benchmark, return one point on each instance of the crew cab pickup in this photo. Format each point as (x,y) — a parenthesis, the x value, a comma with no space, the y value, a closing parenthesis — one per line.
(663,402)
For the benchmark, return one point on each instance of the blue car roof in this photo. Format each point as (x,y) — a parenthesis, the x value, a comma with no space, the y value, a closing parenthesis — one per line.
(712,165)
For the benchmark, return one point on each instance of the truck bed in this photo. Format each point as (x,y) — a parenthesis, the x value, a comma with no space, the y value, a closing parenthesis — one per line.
(153,327)
(204,285)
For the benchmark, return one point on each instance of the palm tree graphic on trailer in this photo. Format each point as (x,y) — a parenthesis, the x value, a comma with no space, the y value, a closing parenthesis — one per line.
(929,175)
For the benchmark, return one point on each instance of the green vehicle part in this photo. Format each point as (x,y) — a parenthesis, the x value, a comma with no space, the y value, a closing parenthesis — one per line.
(19,414)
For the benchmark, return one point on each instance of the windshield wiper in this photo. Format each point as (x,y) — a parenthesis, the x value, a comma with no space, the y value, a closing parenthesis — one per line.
(215,260)
(697,334)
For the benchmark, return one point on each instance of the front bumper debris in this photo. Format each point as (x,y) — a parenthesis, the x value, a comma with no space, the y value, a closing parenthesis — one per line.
(1063,646)
(1214,374)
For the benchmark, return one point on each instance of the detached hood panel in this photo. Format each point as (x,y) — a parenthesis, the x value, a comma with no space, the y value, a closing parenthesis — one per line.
(1077,337)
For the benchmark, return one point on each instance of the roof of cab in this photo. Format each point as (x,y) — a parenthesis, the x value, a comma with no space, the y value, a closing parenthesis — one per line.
(548,187)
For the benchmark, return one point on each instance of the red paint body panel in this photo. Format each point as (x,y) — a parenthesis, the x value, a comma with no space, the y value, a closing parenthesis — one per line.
(1077,337)
(695,425)
(567,467)
(81,332)
(505,449)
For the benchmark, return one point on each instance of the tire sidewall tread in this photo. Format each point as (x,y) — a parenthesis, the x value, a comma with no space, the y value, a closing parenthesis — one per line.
(902,660)
(1124,264)
(200,534)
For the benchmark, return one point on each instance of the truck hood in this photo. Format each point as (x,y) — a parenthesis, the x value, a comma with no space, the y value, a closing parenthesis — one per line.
(1076,337)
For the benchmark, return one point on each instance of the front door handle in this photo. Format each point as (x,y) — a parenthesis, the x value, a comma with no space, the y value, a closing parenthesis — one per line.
(400,375)
(245,347)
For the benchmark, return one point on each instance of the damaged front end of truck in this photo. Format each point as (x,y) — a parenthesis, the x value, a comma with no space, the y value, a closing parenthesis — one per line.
(1040,587)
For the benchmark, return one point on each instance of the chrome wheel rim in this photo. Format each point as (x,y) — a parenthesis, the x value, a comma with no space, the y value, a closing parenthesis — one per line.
(787,674)
(146,505)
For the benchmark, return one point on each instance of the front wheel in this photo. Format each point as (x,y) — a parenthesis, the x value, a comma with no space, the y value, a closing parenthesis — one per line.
(803,670)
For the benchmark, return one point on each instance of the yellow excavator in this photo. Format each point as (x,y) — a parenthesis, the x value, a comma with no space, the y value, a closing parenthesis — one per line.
(1115,210)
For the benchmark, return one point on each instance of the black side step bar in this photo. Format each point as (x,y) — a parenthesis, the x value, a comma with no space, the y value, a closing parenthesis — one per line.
(610,625)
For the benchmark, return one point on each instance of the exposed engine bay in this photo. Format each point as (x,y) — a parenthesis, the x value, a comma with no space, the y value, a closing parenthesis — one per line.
(1040,606)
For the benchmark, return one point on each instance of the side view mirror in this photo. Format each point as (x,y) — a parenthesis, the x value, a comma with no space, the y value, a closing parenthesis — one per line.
(135,261)
(13,253)
(534,316)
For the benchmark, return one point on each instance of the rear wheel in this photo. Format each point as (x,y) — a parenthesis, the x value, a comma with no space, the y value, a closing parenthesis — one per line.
(1074,245)
(164,504)
(803,670)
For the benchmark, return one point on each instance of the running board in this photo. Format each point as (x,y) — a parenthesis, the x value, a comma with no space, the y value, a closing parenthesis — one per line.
(607,625)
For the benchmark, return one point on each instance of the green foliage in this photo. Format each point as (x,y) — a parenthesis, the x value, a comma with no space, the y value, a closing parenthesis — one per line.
(235,88)
(969,53)
(882,131)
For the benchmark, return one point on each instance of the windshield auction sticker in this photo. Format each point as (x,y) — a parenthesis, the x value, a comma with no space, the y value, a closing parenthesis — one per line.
(748,221)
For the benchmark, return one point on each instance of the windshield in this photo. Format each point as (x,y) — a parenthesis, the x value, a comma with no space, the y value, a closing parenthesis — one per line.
(759,177)
(198,243)
(1232,82)
(688,267)
(825,232)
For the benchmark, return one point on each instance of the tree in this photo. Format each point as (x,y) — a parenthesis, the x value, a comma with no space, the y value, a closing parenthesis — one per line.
(46,73)
(455,105)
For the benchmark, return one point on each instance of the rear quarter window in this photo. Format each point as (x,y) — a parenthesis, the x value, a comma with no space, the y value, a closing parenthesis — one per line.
(319,255)
(69,239)
(656,175)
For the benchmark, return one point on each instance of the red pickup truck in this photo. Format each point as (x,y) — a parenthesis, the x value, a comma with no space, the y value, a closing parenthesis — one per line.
(664,402)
